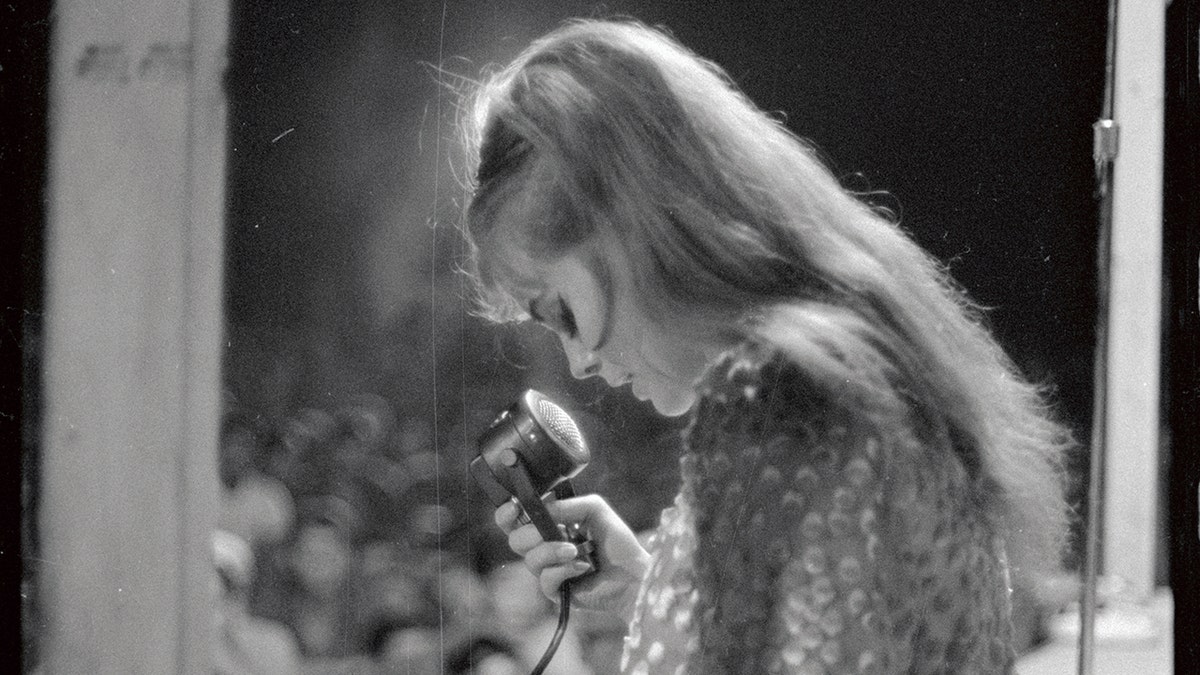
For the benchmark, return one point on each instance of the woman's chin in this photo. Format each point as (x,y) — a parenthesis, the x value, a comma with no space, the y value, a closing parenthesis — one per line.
(673,405)
(667,401)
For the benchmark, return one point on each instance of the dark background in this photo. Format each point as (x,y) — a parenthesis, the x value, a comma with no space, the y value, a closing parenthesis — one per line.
(1181,212)
(974,118)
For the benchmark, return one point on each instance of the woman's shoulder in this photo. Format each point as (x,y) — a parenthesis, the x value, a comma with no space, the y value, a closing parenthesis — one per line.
(760,394)
(737,368)
(809,359)
(757,379)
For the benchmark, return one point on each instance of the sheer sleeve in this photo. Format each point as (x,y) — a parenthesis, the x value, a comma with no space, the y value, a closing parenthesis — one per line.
(830,613)
(806,540)
(787,498)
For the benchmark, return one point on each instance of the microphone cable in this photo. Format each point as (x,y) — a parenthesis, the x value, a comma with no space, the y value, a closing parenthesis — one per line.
(564,613)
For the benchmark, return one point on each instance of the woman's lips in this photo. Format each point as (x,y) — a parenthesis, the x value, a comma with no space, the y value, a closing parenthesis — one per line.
(618,382)
(628,379)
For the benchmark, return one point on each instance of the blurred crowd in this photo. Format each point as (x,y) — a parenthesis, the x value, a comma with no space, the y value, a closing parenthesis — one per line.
(345,545)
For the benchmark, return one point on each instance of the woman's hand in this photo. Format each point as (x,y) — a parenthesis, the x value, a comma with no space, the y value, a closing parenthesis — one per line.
(620,559)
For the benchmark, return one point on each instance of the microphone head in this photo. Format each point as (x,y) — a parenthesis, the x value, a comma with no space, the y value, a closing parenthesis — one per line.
(548,442)
(558,425)
(552,447)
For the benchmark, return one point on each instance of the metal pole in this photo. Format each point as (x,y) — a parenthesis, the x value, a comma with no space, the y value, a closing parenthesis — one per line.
(1104,151)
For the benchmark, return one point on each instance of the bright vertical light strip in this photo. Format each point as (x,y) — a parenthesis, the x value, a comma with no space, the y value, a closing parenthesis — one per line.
(1130,513)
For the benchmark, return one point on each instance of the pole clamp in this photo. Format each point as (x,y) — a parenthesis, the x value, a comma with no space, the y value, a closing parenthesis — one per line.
(1105,137)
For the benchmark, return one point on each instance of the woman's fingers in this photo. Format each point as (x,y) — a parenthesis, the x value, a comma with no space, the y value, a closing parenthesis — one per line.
(506,516)
(586,510)
(548,555)
(524,538)
(620,560)
(552,578)
(552,563)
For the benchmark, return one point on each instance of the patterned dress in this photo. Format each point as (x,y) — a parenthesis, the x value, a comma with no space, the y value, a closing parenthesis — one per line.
(805,541)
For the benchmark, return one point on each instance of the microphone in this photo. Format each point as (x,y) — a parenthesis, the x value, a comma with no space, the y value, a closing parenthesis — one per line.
(531,449)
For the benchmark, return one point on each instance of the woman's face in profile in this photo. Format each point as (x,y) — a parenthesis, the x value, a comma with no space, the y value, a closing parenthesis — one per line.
(604,331)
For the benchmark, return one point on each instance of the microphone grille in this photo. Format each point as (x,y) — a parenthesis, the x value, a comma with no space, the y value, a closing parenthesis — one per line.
(560,424)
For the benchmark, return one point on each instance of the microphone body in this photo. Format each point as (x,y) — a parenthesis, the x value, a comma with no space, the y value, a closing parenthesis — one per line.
(531,449)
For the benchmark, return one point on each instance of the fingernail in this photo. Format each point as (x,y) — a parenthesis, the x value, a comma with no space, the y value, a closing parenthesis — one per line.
(567,552)
(581,566)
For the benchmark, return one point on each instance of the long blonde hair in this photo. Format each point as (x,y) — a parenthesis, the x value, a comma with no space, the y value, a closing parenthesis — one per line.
(613,132)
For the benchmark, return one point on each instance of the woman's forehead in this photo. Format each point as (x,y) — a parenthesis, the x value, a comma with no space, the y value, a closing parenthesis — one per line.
(522,254)
(515,270)
(531,278)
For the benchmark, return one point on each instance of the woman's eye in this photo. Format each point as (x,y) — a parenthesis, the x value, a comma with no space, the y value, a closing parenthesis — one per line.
(560,319)
(567,319)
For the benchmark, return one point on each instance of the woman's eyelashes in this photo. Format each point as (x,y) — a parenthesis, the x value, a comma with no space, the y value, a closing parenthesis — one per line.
(561,319)
(567,318)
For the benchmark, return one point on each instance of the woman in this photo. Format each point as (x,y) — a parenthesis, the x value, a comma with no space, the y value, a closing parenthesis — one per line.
(863,466)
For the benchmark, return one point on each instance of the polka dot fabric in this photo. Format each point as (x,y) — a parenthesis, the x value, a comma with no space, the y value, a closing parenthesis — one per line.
(805,541)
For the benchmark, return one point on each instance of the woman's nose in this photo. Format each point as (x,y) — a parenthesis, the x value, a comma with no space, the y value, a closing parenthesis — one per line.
(583,364)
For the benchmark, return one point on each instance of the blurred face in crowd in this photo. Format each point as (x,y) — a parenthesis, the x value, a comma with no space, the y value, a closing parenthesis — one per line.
(322,558)
(606,333)
(498,664)
(411,650)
